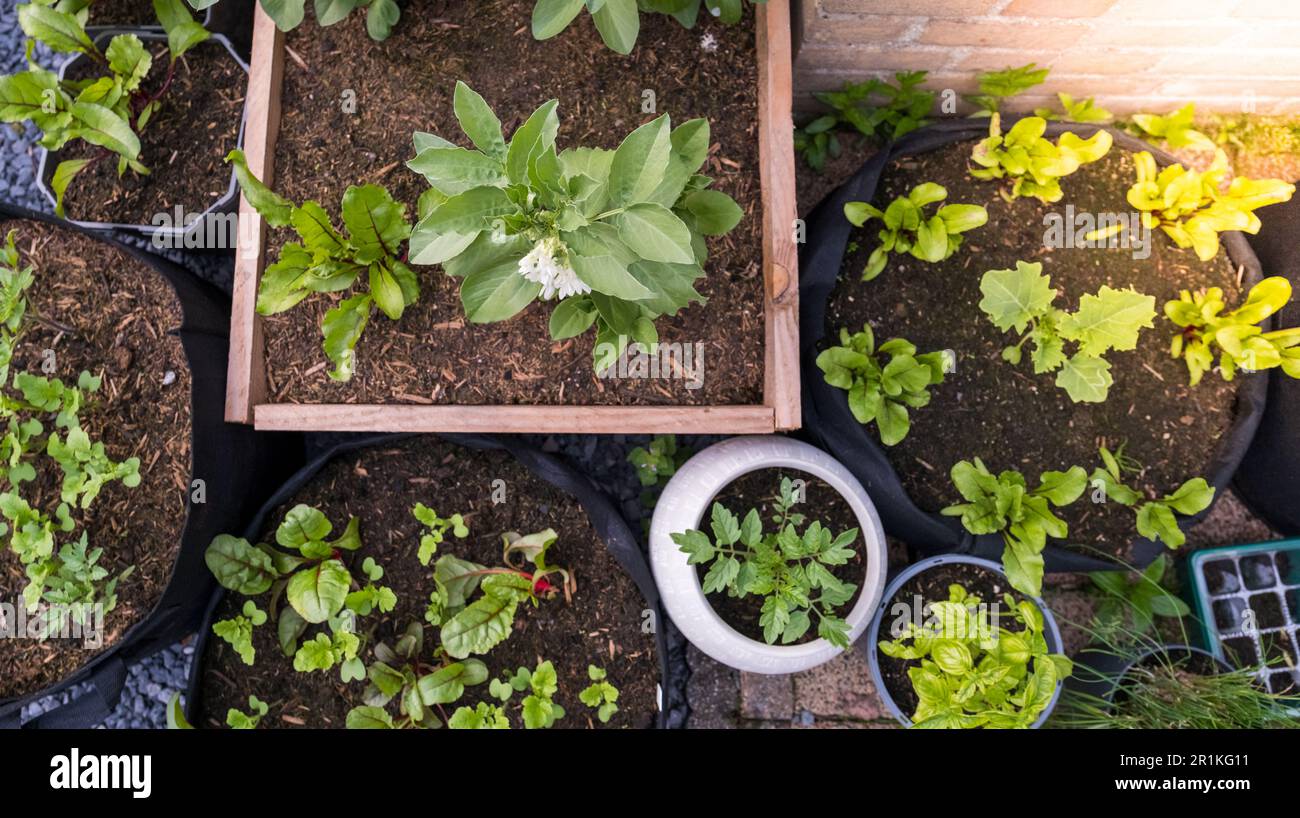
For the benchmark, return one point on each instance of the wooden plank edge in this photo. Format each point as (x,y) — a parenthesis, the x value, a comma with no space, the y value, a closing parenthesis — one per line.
(729,420)
(782,388)
(245,374)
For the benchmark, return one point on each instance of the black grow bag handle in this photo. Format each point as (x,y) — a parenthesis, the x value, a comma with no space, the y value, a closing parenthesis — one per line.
(830,424)
(237,465)
(609,525)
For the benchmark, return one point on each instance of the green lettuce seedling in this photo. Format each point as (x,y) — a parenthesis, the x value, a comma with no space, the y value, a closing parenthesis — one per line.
(1033,164)
(972,674)
(238,720)
(1110,320)
(1004,504)
(436,529)
(1192,208)
(540,711)
(903,108)
(619,21)
(789,570)
(996,86)
(69,574)
(878,390)
(238,630)
(1235,336)
(616,238)
(908,230)
(326,261)
(600,694)
(1155,518)
(110,111)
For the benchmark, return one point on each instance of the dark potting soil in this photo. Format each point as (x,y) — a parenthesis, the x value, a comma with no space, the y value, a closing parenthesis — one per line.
(602,626)
(127,13)
(1005,414)
(758,489)
(932,586)
(184,144)
(99,310)
(406,84)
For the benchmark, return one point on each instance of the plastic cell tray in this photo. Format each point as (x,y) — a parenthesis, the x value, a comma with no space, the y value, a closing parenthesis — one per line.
(1247,598)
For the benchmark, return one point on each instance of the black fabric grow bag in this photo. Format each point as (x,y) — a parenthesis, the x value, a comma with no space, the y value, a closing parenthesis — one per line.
(1269,478)
(237,466)
(828,421)
(605,519)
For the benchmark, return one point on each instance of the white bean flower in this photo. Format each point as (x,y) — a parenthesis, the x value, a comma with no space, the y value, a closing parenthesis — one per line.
(548,264)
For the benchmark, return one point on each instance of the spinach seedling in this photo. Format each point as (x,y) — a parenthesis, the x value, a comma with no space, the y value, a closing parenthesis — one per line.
(238,720)
(996,86)
(1155,518)
(1110,320)
(1083,111)
(908,230)
(902,109)
(1034,165)
(600,695)
(326,261)
(878,390)
(1005,504)
(238,630)
(619,21)
(381,15)
(973,674)
(1176,129)
(1132,600)
(1191,206)
(616,238)
(1235,336)
(108,112)
(789,570)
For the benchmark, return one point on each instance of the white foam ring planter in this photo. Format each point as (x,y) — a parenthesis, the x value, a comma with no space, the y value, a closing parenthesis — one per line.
(686,502)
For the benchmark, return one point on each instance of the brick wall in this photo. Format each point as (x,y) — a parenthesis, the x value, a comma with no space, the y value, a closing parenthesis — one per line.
(1151,55)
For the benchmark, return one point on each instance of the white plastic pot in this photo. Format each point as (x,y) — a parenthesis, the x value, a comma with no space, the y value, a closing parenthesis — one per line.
(686,501)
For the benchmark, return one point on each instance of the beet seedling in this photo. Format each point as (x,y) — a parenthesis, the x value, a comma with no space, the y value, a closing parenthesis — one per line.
(110,111)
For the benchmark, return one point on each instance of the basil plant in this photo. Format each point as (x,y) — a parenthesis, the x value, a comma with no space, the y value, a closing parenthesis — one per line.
(614,238)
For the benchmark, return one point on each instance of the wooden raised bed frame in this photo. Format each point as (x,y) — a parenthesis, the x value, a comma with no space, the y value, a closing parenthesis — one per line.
(246,388)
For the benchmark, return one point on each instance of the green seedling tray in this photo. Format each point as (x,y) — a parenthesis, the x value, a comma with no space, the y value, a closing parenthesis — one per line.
(1247,598)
